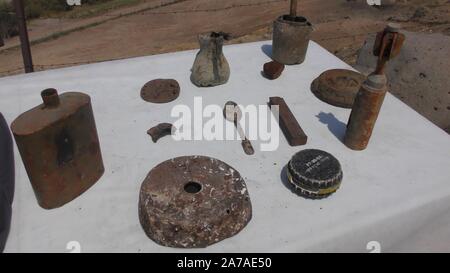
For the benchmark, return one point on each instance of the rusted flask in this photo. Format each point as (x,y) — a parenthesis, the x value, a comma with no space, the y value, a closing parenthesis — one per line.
(59,146)
(291,36)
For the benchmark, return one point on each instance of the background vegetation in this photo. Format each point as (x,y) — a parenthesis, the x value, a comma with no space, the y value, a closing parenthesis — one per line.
(50,8)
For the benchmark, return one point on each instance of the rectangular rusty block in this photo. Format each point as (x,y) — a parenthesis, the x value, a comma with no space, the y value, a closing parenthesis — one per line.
(59,146)
(288,124)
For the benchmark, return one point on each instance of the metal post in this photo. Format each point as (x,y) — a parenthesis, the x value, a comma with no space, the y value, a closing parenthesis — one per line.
(24,41)
(293,8)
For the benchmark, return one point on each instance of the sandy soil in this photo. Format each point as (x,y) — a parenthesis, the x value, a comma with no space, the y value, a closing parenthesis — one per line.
(148,33)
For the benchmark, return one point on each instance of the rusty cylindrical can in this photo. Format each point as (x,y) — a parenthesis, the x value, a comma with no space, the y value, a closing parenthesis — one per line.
(365,112)
(59,146)
(290,39)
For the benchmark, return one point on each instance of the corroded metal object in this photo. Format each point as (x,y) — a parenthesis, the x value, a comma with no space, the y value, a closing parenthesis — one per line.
(210,67)
(272,70)
(159,131)
(233,113)
(314,173)
(370,97)
(291,36)
(193,202)
(288,124)
(160,91)
(338,87)
(59,146)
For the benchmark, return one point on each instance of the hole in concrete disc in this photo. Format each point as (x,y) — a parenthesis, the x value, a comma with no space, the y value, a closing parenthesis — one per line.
(192,187)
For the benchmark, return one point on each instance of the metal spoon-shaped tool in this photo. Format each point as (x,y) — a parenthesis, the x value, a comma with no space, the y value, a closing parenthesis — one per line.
(232,112)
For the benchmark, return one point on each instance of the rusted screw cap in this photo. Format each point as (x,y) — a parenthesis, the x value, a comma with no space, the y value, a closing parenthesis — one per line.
(376,81)
(50,97)
(393,27)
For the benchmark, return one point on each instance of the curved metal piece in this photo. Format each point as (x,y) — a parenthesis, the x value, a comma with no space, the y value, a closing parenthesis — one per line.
(160,130)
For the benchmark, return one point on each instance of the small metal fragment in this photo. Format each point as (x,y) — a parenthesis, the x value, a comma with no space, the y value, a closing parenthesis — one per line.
(159,131)
(288,124)
(273,70)
(193,202)
(160,91)
(338,87)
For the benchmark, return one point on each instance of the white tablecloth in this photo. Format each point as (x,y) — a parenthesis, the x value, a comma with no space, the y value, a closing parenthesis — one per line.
(396,193)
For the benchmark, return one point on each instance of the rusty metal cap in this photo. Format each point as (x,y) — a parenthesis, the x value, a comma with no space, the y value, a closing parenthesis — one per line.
(393,27)
(338,87)
(160,91)
(314,173)
(376,81)
(193,202)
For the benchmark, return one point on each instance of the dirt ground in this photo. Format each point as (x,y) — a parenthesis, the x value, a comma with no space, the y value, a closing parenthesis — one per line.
(340,26)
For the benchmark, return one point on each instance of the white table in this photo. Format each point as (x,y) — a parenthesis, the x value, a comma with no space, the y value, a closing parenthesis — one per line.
(397,192)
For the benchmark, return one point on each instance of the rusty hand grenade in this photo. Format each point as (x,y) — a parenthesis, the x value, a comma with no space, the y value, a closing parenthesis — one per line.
(59,146)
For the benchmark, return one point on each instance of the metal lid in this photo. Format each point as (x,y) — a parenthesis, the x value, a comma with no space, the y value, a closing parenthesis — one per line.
(315,173)
(192,202)
(338,87)
(160,91)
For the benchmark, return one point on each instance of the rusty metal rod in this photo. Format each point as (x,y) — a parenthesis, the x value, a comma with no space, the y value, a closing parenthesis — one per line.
(293,8)
(23,33)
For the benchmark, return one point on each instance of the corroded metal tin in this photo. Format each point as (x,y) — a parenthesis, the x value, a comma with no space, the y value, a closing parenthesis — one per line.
(193,202)
(59,146)
(291,36)
(338,87)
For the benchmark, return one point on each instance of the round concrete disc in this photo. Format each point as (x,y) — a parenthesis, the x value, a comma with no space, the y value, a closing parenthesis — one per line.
(338,87)
(315,173)
(193,202)
(160,91)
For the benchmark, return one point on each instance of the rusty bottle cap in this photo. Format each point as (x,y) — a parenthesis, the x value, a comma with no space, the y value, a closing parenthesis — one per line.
(393,27)
(376,81)
(50,97)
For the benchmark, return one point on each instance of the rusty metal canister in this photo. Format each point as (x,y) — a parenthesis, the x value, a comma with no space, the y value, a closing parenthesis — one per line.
(59,146)
(366,108)
(291,36)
